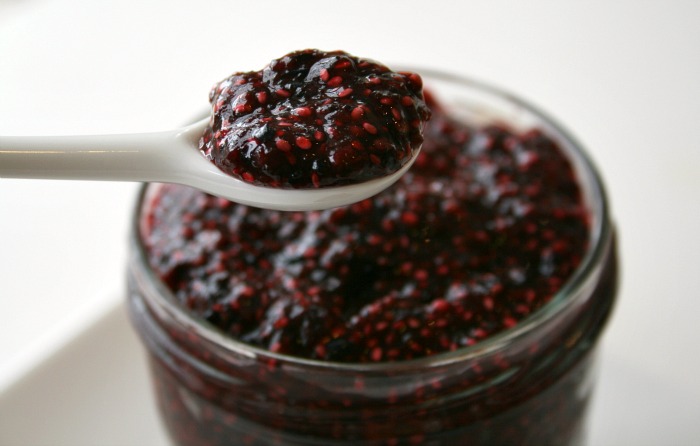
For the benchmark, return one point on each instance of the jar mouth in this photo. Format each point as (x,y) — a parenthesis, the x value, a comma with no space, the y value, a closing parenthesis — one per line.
(578,285)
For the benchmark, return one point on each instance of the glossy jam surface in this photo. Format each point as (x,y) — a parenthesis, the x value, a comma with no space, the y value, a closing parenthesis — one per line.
(314,119)
(482,231)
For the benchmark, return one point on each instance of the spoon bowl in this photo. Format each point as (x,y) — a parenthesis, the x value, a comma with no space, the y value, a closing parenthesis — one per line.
(167,157)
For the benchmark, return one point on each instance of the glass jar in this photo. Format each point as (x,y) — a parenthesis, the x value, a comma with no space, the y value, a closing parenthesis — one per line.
(527,385)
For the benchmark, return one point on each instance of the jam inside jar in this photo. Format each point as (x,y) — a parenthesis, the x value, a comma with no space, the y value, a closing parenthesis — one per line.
(527,384)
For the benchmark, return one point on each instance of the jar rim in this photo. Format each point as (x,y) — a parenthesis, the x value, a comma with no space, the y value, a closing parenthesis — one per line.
(582,279)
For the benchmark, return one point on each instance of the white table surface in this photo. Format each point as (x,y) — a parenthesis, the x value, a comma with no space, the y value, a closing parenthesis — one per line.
(622,76)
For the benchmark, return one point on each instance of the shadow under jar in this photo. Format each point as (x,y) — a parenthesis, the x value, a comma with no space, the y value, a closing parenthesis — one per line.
(527,384)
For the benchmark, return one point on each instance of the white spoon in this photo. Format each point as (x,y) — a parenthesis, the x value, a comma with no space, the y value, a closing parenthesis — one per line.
(165,157)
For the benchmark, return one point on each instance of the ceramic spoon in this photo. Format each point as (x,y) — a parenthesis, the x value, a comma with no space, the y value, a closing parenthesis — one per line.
(166,157)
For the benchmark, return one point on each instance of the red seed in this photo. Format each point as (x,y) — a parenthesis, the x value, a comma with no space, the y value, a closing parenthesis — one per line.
(479,333)
(335,81)
(303,111)
(242,108)
(416,80)
(509,322)
(356,131)
(282,92)
(357,112)
(369,128)
(440,305)
(409,218)
(303,142)
(346,92)
(291,159)
(261,96)
(281,322)
(283,145)
(376,354)
(323,74)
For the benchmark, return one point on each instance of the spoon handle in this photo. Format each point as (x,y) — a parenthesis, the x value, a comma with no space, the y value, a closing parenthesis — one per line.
(137,157)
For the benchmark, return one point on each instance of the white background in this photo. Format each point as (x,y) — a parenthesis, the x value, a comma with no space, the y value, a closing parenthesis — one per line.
(622,76)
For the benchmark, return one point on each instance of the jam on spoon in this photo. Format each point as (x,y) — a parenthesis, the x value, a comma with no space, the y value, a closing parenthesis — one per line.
(315,119)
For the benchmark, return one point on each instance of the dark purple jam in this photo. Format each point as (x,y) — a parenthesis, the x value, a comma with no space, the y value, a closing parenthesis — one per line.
(315,119)
(483,230)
